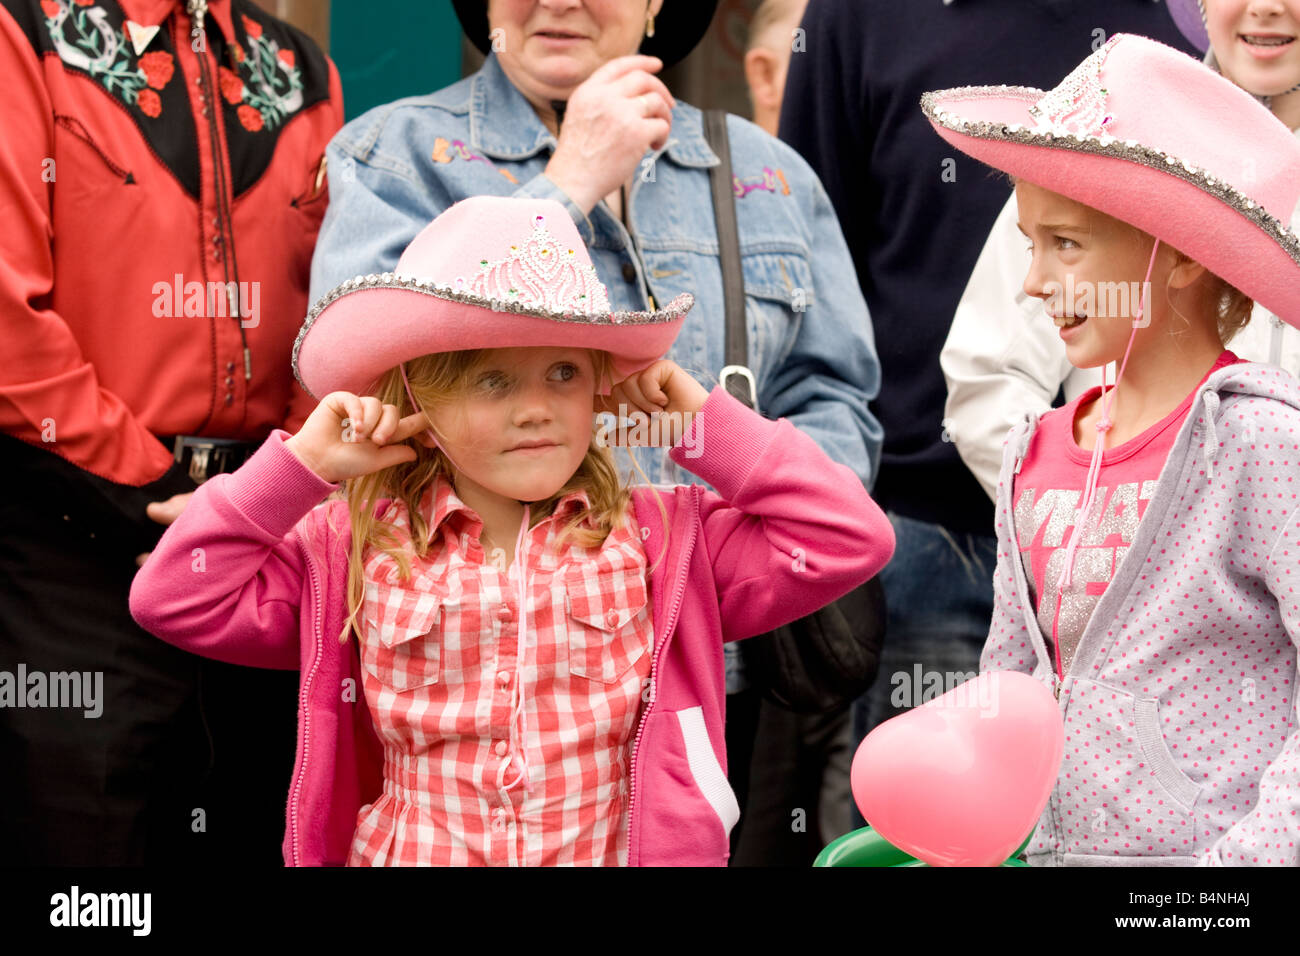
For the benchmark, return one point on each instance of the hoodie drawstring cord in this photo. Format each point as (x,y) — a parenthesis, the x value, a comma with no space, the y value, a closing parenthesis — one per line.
(1103,427)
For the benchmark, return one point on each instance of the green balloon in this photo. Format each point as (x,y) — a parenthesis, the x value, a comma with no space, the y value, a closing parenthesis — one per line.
(866,847)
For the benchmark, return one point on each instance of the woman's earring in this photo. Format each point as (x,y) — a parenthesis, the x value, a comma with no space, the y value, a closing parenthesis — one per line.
(649,24)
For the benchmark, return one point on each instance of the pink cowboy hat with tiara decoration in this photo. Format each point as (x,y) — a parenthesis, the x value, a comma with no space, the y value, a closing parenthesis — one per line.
(1152,137)
(490,272)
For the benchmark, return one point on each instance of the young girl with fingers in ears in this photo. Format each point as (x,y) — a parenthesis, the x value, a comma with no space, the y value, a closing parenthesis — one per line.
(507,656)
(1149,533)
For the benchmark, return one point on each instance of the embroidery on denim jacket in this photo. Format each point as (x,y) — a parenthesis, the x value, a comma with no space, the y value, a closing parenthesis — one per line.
(458,149)
(767,180)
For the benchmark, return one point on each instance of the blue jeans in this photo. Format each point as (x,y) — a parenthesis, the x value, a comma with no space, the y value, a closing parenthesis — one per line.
(939,601)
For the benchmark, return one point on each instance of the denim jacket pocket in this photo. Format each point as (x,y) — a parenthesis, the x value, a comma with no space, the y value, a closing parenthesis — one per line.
(401,648)
(778,289)
(604,602)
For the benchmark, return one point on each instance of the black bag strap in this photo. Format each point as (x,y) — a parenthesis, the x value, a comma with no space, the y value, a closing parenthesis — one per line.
(736,376)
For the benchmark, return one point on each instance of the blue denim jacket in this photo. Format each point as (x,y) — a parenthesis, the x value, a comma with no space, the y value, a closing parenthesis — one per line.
(811,346)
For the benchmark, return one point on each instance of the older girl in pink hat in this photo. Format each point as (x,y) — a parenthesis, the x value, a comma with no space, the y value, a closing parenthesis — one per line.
(998,363)
(507,656)
(1149,533)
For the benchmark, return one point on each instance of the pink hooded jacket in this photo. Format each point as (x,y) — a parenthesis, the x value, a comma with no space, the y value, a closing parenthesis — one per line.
(254,572)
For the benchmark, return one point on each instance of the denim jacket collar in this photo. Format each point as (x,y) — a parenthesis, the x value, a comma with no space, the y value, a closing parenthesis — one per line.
(503,124)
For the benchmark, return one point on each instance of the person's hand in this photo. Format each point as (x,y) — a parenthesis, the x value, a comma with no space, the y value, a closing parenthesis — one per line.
(612,118)
(347,436)
(164,512)
(664,394)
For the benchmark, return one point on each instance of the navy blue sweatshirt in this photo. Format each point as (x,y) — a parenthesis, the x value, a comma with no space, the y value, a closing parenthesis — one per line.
(916,211)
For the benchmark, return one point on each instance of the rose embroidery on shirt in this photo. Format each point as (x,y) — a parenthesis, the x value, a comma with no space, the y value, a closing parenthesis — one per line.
(84,39)
(265,85)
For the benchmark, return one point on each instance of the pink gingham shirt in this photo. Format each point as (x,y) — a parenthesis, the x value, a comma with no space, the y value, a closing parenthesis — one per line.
(441,672)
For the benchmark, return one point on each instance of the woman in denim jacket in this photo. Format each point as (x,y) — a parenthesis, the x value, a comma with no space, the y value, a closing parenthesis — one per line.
(396,167)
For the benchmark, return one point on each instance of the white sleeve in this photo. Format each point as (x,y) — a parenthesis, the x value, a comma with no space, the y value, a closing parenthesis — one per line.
(1003,356)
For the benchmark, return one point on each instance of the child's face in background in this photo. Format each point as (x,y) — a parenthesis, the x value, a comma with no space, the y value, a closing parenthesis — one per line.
(1090,266)
(524,425)
(1257,42)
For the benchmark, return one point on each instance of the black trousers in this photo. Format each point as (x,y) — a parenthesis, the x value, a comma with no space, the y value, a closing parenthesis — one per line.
(188,761)
(790,775)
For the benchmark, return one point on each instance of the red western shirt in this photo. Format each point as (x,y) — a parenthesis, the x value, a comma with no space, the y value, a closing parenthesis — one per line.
(149,180)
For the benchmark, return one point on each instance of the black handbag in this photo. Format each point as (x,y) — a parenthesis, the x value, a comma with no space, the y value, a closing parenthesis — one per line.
(825,660)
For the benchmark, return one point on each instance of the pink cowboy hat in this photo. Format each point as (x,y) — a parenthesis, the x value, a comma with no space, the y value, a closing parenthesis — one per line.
(1150,136)
(490,272)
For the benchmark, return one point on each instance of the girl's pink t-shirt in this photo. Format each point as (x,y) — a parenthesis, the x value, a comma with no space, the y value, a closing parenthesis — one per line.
(1047,493)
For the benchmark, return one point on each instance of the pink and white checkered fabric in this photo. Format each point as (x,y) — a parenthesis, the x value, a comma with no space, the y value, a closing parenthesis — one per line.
(439,670)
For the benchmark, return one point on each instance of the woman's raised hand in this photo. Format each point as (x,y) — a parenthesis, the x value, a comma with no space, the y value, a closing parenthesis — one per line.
(613,117)
(347,436)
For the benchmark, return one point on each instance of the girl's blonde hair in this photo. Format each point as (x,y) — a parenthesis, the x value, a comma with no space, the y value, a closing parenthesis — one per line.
(438,381)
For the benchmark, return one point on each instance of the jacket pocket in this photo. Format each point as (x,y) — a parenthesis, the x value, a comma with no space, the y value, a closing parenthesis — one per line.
(705,769)
(1121,794)
(778,289)
(605,604)
(315,190)
(1146,717)
(77,129)
(401,648)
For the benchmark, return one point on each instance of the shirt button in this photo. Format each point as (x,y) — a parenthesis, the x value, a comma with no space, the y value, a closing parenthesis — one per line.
(230,366)
(629,272)
(229,381)
(611,617)
(229,398)
(503,677)
(501,748)
(504,614)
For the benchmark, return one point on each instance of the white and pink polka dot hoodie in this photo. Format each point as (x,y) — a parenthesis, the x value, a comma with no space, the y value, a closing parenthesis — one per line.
(1180,705)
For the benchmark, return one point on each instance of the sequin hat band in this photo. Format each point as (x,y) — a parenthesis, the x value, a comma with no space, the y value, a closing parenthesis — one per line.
(1152,137)
(489,272)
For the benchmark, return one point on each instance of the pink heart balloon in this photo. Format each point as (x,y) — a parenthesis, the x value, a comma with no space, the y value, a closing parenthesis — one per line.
(963,779)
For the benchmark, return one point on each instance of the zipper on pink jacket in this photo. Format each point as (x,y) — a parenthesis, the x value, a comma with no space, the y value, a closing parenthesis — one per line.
(317,628)
(673,608)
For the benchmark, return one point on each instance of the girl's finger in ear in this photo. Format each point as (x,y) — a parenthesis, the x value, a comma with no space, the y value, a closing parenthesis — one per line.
(387,425)
(410,425)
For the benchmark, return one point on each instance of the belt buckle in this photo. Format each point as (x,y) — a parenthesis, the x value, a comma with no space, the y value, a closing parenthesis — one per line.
(199,458)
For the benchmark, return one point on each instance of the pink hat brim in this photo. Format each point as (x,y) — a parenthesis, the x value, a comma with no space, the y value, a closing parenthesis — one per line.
(1155,200)
(361,335)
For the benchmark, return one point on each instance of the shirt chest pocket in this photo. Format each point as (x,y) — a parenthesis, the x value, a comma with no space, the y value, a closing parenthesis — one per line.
(607,618)
(403,643)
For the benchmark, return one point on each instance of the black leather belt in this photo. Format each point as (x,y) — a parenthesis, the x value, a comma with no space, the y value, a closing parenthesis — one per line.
(209,456)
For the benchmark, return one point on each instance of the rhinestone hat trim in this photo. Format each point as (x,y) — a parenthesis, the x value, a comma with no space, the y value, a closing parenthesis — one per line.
(1061,137)
(444,291)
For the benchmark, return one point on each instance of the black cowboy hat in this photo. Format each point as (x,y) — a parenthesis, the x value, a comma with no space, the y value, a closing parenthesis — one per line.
(678,27)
